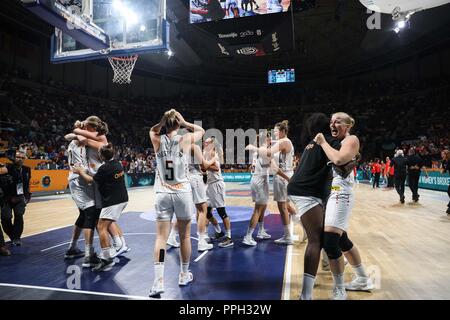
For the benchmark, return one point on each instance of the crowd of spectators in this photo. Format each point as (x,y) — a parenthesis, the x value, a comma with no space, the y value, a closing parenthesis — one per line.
(388,115)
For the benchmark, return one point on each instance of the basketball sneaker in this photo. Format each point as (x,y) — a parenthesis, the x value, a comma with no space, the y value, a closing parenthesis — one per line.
(339,293)
(226,243)
(172,241)
(90,261)
(104,265)
(262,234)
(157,288)
(185,278)
(73,254)
(121,250)
(218,235)
(203,246)
(249,241)
(360,284)
(284,240)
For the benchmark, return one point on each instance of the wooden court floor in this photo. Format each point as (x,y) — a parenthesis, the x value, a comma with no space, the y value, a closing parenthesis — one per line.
(404,247)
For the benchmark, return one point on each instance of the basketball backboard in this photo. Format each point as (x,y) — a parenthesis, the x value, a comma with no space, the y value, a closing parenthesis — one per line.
(112,28)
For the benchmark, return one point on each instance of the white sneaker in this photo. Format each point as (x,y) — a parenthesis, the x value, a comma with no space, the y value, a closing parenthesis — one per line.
(157,288)
(207,239)
(325,265)
(203,246)
(185,278)
(119,251)
(172,241)
(339,293)
(262,234)
(249,241)
(284,240)
(360,284)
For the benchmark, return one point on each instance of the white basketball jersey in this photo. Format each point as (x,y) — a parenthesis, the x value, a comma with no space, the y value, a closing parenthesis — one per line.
(285,160)
(213,176)
(171,167)
(261,165)
(342,185)
(76,155)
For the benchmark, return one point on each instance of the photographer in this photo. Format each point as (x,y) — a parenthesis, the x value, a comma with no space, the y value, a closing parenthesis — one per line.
(16,196)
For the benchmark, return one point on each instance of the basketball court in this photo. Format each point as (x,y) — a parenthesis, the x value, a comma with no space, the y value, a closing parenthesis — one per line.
(403,247)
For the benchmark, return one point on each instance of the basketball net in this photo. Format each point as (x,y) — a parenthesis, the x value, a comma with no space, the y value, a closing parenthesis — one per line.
(123,67)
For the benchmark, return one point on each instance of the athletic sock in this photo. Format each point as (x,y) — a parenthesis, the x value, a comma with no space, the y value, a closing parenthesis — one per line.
(287,232)
(159,270)
(338,279)
(308,285)
(106,253)
(359,270)
(217,228)
(261,226)
(122,238)
(250,231)
(88,250)
(117,242)
(201,237)
(228,233)
(185,267)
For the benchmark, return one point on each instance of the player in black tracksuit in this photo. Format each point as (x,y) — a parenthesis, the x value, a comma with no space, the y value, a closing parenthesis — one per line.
(415,164)
(308,190)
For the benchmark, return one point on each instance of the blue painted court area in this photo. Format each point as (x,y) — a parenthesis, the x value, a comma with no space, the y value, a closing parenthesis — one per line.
(238,272)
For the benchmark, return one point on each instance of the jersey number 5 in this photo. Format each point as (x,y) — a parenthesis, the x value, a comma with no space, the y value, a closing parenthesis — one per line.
(169,170)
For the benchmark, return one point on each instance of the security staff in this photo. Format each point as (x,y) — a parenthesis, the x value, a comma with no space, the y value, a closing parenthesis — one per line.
(16,196)
(3,182)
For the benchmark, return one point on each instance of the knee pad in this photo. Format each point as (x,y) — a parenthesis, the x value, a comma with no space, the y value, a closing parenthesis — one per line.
(222,213)
(331,245)
(80,221)
(344,242)
(91,216)
(209,213)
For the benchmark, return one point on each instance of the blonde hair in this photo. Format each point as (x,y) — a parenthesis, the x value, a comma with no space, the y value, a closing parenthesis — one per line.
(348,120)
(96,123)
(171,120)
(283,126)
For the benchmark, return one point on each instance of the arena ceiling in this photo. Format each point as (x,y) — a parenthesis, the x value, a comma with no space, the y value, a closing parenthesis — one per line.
(330,39)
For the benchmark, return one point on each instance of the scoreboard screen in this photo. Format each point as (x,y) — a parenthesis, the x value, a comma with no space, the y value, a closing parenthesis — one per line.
(281,76)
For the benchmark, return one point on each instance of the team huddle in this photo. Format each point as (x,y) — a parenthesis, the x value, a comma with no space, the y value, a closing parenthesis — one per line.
(319,192)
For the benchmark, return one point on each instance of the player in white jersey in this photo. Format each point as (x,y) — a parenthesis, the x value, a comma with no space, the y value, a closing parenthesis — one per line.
(282,153)
(197,165)
(92,132)
(215,192)
(339,206)
(82,195)
(173,192)
(260,192)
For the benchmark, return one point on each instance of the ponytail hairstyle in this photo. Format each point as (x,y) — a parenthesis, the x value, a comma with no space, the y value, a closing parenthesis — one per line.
(348,120)
(171,120)
(107,151)
(283,126)
(96,123)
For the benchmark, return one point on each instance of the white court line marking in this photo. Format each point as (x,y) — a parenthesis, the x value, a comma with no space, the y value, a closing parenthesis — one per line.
(286,294)
(96,237)
(75,291)
(34,234)
(201,256)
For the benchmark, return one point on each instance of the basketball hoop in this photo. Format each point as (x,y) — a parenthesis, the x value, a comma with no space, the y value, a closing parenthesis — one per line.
(123,67)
